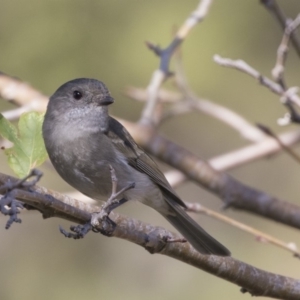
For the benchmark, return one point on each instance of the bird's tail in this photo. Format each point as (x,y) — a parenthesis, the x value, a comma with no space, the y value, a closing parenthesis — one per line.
(193,232)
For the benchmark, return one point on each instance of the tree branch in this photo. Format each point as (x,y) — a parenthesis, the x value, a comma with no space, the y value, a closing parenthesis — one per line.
(278,70)
(154,239)
(159,75)
(244,67)
(273,7)
(191,103)
(21,94)
(288,96)
(233,193)
(259,235)
(242,156)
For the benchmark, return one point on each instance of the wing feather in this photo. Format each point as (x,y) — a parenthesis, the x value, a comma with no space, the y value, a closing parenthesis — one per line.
(138,159)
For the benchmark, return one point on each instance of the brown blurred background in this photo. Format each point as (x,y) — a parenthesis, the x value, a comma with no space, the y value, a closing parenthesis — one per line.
(47,43)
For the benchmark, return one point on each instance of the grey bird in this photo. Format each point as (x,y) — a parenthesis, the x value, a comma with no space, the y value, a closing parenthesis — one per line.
(83,141)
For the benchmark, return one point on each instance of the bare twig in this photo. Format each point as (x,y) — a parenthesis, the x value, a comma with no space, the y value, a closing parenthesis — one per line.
(163,72)
(149,117)
(184,104)
(241,157)
(273,86)
(274,8)
(287,149)
(278,70)
(260,236)
(140,94)
(229,117)
(21,94)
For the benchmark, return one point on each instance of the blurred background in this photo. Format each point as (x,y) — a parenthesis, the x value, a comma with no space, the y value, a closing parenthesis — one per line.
(47,43)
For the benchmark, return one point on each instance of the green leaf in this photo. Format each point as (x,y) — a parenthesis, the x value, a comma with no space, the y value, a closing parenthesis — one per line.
(28,150)
(7,130)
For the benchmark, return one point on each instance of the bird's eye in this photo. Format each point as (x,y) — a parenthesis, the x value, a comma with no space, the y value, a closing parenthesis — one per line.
(77,95)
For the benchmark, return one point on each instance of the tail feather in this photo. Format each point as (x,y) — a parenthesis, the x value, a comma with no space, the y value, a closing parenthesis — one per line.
(193,232)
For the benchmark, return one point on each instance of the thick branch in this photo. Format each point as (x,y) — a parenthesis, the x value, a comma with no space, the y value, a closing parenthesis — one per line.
(232,192)
(253,280)
(242,156)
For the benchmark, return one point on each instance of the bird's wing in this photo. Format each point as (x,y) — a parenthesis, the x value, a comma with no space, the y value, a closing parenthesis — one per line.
(138,159)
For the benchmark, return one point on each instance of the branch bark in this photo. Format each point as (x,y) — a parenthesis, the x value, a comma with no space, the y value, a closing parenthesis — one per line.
(154,239)
(233,193)
(273,7)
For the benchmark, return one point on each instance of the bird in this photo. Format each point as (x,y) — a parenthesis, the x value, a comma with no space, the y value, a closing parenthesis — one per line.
(84,142)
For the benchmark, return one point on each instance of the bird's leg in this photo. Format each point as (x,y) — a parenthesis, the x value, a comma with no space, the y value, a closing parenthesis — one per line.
(113,202)
(97,219)
(100,222)
(109,206)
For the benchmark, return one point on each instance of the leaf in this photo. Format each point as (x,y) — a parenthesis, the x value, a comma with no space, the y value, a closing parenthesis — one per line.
(28,150)
(7,130)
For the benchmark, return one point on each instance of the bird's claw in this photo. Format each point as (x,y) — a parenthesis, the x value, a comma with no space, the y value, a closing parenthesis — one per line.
(101,222)
(11,207)
(77,232)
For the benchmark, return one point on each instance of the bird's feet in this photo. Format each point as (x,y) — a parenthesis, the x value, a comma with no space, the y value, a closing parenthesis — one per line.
(11,207)
(100,221)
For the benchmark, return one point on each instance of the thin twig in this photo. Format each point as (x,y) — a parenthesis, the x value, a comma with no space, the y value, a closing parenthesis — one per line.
(260,236)
(273,86)
(181,104)
(222,113)
(140,94)
(278,70)
(274,8)
(158,77)
(242,156)
(287,149)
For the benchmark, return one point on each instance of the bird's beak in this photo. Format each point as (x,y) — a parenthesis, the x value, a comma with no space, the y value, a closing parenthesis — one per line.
(107,100)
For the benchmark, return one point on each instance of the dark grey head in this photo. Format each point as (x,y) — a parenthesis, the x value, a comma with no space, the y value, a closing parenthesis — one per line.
(82,91)
(79,103)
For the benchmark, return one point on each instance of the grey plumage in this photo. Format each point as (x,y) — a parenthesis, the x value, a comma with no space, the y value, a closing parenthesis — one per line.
(82,140)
